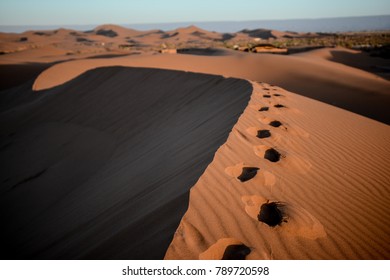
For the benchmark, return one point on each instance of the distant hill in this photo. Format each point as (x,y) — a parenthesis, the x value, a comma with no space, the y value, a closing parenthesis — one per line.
(337,24)
(110,37)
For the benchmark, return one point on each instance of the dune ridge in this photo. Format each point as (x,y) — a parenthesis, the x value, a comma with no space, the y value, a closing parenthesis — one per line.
(100,167)
(332,181)
(321,79)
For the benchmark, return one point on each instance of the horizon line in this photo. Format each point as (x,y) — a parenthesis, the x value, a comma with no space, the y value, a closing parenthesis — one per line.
(194,22)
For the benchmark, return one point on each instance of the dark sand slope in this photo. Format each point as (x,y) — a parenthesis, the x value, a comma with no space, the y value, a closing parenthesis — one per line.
(15,74)
(100,167)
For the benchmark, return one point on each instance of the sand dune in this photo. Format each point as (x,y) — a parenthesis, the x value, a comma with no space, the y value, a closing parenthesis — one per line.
(111,30)
(100,146)
(331,182)
(333,83)
(101,166)
(352,58)
(336,76)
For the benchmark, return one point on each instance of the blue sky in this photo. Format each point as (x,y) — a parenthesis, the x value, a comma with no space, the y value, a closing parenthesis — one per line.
(51,12)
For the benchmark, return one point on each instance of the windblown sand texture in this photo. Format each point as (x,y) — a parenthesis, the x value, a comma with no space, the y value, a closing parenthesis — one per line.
(333,198)
(109,153)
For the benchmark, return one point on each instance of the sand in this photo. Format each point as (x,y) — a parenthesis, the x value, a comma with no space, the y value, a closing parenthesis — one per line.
(101,166)
(332,180)
(120,154)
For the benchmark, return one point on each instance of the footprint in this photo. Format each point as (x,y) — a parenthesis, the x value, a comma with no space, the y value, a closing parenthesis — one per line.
(277,94)
(298,221)
(263,133)
(279,106)
(259,133)
(226,249)
(294,130)
(272,122)
(275,123)
(247,173)
(267,96)
(271,213)
(268,153)
(241,172)
(236,252)
(253,204)
(272,155)
(244,173)
(262,109)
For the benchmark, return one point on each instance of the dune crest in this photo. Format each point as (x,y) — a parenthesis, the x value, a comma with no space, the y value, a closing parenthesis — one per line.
(328,183)
(330,82)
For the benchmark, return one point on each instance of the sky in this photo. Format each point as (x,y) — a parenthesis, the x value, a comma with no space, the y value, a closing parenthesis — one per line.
(79,12)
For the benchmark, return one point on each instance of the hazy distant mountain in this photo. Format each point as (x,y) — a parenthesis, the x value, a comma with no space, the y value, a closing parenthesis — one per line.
(367,23)
(341,24)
